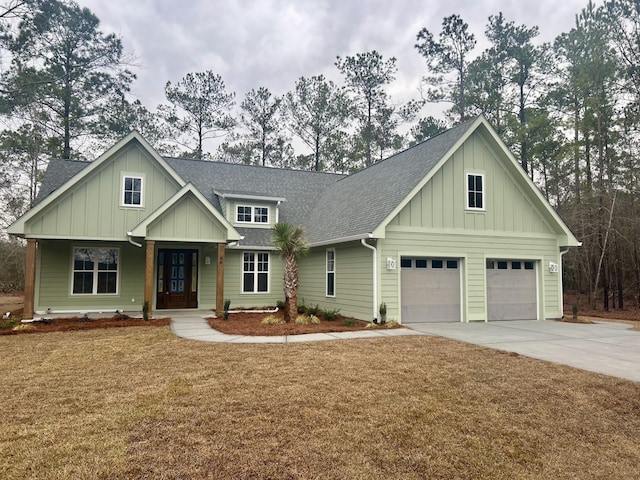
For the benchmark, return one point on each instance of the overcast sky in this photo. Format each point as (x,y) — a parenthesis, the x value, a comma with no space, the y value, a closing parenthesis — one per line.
(272,43)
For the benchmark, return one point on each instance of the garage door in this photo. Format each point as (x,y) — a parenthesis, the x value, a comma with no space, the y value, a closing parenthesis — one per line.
(430,290)
(511,290)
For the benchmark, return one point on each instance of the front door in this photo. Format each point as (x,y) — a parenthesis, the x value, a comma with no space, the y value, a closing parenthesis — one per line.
(177,278)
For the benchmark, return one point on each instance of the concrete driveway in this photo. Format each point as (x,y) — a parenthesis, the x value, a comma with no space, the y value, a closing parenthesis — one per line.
(608,348)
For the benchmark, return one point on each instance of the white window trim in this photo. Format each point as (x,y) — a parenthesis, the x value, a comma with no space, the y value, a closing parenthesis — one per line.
(255,272)
(327,272)
(253,214)
(124,176)
(95,273)
(484,192)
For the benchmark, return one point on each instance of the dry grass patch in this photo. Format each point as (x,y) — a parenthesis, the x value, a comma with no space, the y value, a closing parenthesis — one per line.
(141,403)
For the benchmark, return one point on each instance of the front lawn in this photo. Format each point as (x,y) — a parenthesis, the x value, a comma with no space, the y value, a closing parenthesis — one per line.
(142,403)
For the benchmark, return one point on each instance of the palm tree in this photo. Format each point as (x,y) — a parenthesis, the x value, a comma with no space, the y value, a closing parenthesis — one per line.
(289,241)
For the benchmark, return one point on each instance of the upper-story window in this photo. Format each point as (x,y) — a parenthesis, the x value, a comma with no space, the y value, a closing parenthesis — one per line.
(475,191)
(132,191)
(250,214)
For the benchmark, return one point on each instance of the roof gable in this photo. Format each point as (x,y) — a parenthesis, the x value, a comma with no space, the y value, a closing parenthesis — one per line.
(142,228)
(63,176)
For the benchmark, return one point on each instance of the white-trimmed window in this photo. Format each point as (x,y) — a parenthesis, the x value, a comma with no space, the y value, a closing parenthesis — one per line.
(255,272)
(250,214)
(95,271)
(132,193)
(475,191)
(331,272)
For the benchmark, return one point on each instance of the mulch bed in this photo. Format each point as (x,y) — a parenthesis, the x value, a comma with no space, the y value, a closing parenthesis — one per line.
(245,323)
(75,323)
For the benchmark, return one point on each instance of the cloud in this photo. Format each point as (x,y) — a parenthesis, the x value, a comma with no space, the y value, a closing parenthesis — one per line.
(272,43)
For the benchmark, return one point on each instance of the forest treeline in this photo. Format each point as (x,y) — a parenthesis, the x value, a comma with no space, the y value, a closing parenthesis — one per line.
(569,110)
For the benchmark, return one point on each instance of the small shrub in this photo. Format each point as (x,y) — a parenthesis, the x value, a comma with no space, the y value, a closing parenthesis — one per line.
(574,311)
(313,309)
(307,319)
(330,315)
(349,322)
(23,326)
(145,310)
(225,313)
(272,320)
(391,324)
(8,323)
(280,304)
(383,313)
(302,309)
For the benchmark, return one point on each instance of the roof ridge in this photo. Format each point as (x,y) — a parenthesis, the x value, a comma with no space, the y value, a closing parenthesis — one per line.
(218,162)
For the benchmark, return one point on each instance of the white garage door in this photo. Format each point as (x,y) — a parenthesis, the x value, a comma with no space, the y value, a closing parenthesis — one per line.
(511,290)
(430,290)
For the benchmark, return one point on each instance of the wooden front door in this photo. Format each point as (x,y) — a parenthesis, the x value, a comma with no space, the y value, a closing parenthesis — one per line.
(177,278)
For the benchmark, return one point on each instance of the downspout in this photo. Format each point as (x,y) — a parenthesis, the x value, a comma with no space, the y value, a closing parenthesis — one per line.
(375,277)
(562,252)
(129,235)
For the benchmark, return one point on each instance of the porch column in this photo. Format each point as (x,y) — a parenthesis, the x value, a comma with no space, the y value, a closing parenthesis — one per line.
(220,280)
(148,274)
(30,278)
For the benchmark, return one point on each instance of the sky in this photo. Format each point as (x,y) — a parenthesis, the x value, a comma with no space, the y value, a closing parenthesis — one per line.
(271,43)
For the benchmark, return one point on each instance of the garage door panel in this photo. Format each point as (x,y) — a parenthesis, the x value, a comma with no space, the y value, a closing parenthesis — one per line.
(511,292)
(430,294)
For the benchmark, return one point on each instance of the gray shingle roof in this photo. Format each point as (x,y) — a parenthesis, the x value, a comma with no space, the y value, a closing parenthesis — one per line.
(357,204)
(330,206)
(58,172)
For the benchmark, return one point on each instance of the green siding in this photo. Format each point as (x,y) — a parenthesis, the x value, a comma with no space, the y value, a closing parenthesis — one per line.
(187,221)
(233,282)
(53,283)
(353,277)
(229,207)
(435,222)
(79,213)
(473,249)
(441,202)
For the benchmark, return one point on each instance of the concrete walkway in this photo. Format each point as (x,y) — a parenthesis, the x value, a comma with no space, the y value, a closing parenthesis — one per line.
(197,328)
(608,348)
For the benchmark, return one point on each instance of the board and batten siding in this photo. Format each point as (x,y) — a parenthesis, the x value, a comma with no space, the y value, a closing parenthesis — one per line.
(441,203)
(436,223)
(353,280)
(53,278)
(91,208)
(187,221)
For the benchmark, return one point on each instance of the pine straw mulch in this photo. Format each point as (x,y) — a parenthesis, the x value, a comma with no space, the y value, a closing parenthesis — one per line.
(77,323)
(250,323)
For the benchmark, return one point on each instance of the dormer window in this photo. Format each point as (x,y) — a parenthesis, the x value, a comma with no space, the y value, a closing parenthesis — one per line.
(132,193)
(251,214)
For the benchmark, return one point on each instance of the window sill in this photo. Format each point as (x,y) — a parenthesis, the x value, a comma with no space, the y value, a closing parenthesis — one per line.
(475,210)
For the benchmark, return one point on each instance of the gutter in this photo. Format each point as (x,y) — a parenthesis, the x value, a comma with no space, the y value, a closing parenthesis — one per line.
(364,243)
(562,252)
(341,240)
(129,235)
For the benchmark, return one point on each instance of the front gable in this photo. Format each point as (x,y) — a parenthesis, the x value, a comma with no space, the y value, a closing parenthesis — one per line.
(511,203)
(92,204)
(442,203)
(186,217)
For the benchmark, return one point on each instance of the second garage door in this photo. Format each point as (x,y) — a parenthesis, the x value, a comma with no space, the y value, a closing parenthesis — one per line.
(430,290)
(511,290)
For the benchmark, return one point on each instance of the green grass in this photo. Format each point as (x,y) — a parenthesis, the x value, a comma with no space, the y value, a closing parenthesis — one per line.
(140,403)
